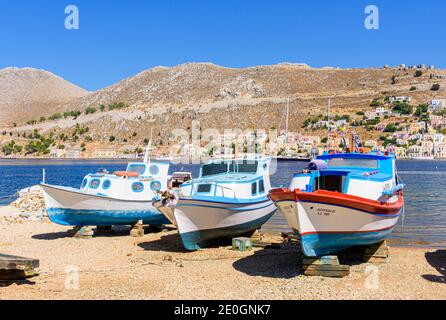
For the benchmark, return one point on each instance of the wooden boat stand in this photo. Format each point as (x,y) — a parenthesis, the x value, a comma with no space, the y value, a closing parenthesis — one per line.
(339,266)
(137,230)
(81,232)
(17,268)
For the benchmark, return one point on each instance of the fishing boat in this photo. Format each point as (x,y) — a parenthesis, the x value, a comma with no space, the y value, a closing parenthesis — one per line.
(229,199)
(106,199)
(342,200)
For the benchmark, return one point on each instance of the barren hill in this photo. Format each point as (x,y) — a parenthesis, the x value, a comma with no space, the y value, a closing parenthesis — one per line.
(27,93)
(165,98)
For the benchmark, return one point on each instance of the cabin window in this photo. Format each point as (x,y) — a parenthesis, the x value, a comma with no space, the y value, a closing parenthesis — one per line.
(356,163)
(247,166)
(333,183)
(138,168)
(106,184)
(254,188)
(214,169)
(154,170)
(204,188)
(94,184)
(137,187)
(84,183)
(155,186)
(261,186)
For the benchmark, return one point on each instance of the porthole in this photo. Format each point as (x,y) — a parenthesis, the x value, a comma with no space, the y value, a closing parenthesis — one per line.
(106,184)
(154,170)
(137,187)
(94,184)
(155,186)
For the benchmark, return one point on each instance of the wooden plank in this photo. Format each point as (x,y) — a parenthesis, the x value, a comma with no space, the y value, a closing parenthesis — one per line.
(327,274)
(16,268)
(326,260)
(372,259)
(8,262)
(326,268)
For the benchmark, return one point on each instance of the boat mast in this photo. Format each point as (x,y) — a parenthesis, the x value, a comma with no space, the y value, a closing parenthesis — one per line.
(147,156)
(328,122)
(287,116)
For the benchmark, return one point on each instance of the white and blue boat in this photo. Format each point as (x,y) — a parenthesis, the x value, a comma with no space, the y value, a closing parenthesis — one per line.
(104,199)
(342,200)
(229,199)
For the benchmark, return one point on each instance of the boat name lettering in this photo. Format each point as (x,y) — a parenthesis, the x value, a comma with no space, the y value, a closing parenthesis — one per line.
(326,212)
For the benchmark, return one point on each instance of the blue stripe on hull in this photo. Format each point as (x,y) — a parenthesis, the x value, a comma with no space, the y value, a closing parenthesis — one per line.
(203,238)
(317,245)
(71,217)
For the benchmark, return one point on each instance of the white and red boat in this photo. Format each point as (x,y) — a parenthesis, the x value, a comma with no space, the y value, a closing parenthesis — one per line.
(341,201)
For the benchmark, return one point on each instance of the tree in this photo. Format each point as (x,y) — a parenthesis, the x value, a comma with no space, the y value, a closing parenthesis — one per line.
(421,109)
(418,73)
(112,139)
(90,110)
(435,87)
(102,108)
(324,140)
(390,128)
(375,103)
(413,88)
(403,108)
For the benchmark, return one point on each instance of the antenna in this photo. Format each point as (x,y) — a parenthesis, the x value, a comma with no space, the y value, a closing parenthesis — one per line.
(328,121)
(148,150)
(287,116)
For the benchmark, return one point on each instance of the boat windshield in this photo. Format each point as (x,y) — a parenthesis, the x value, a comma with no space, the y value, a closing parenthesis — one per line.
(245,166)
(138,168)
(356,163)
(214,169)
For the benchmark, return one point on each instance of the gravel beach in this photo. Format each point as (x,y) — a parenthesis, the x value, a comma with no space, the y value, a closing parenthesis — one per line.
(155,266)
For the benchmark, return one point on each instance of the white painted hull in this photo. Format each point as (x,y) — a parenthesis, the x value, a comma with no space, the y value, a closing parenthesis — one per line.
(69,206)
(200,222)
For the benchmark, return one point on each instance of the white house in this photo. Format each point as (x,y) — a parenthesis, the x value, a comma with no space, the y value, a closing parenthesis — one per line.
(400,99)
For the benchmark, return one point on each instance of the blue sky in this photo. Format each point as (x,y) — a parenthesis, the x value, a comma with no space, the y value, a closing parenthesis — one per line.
(118,39)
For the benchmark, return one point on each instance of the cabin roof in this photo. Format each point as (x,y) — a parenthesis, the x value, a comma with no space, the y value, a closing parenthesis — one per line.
(376,156)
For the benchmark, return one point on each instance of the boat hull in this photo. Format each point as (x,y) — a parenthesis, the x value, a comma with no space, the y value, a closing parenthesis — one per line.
(202,223)
(330,222)
(70,207)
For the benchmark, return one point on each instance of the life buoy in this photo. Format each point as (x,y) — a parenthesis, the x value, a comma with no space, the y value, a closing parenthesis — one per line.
(126,174)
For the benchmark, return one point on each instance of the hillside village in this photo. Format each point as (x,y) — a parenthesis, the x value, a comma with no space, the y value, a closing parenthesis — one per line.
(401,109)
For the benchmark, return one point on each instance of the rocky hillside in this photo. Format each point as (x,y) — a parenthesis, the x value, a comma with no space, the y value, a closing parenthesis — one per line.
(162,99)
(26,93)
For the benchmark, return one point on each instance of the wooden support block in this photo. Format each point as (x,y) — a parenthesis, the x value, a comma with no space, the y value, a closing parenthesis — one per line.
(16,268)
(377,253)
(327,266)
(137,230)
(81,232)
(326,260)
(242,244)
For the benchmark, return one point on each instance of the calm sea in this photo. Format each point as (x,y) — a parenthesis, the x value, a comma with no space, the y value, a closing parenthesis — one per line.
(424,222)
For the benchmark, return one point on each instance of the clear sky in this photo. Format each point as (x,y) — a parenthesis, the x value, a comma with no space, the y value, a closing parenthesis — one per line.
(117,39)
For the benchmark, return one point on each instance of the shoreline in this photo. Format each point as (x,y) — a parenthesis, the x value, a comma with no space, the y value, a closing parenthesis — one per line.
(117,266)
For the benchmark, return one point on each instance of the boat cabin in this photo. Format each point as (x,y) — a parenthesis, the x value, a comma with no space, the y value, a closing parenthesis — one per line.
(231,179)
(358,174)
(140,181)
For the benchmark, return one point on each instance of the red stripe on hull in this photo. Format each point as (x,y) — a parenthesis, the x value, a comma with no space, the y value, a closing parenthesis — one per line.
(340,199)
(345,232)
